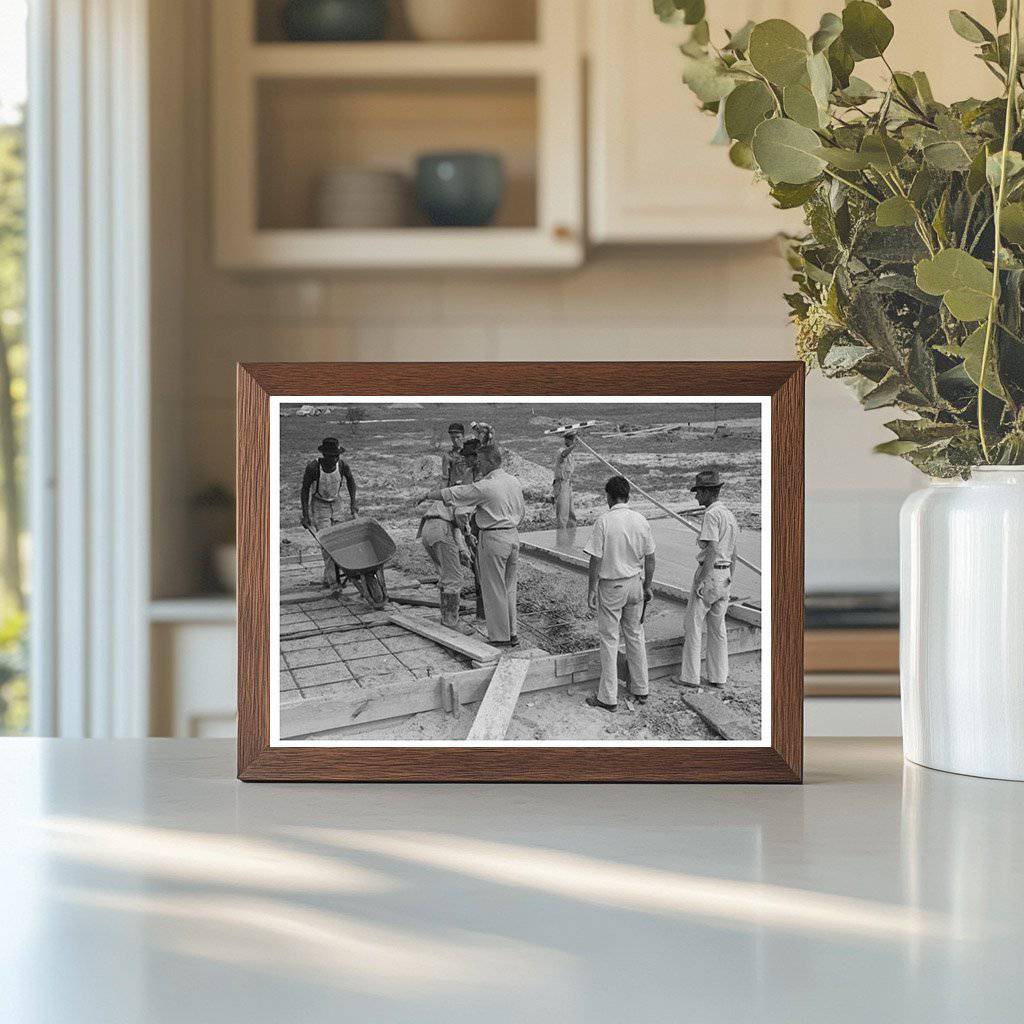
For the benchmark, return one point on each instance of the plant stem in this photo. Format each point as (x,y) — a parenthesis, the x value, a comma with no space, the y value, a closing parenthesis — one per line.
(853,185)
(1011,108)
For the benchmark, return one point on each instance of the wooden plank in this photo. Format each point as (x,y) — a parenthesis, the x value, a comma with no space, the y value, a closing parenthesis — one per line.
(467,645)
(425,600)
(305,634)
(852,650)
(319,594)
(495,713)
(719,716)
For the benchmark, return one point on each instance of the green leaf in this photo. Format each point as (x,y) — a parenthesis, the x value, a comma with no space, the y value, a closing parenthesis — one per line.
(844,159)
(841,63)
(885,394)
(787,152)
(947,156)
(969,28)
(800,105)
(779,51)
(866,29)
(971,352)
(895,212)
(745,108)
(883,152)
(819,74)
(829,30)
(924,88)
(788,196)
(993,167)
(999,9)
(976,174)
(963,281)
(1012,224)
(858,91)
(895,447)
(923,431)
(922,185)
(739,41)
(707,78)
(690,12)
(741,155)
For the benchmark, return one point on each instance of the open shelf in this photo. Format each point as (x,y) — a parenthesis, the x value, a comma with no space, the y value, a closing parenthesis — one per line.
(286,114)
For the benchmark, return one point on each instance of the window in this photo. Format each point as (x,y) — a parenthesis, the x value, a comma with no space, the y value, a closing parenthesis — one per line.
(14,694)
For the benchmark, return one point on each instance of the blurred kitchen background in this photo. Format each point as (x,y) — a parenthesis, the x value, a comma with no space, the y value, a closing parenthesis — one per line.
(292,218)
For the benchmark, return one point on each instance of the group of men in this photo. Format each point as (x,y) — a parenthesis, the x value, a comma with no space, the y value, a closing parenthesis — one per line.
(472,518)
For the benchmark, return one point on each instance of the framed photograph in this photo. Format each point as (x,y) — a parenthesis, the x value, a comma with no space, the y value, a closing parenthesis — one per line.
(579,572)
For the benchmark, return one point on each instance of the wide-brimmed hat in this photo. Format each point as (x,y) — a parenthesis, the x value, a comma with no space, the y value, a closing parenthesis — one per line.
(330,446)
(707,478)
(456,428)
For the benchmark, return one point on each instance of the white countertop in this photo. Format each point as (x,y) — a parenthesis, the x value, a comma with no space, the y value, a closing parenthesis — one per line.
(140,882)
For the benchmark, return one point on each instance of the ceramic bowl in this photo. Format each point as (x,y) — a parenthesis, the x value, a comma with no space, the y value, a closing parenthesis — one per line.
(333,21)
(460,189)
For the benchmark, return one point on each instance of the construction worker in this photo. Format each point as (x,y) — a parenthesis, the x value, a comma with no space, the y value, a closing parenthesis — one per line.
(620,577)
(565,466)
(441,536)
(709,595)
(322,501)
(498,499)
(453,466)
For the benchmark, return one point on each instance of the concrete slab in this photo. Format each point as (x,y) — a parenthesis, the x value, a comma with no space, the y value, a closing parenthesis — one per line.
(313,656)
(382,665)
(304,644)
(360,649)
(409,642)
(317,675)
(675,554)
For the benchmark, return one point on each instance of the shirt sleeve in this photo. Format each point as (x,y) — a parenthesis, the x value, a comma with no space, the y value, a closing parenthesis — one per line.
(711,528)
(595,545)
(648,539)
(464,494)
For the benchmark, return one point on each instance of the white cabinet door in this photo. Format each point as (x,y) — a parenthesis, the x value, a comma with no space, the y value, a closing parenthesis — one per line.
(654,177)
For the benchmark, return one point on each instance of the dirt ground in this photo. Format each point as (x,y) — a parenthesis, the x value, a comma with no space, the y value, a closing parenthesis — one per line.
(562,714)
(395,460)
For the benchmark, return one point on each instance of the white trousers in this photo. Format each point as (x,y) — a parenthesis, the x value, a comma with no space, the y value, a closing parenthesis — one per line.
(323,514)
(498,560)
(620,603)
(707,608)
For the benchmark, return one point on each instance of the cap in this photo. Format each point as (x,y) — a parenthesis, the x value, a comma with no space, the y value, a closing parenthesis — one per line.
(709,478)
(330,446)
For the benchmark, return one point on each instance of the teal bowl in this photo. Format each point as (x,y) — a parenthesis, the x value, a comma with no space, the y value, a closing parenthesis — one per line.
(462,190)
(334,21)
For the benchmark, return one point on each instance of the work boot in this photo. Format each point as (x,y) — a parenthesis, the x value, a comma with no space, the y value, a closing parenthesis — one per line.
(450,612)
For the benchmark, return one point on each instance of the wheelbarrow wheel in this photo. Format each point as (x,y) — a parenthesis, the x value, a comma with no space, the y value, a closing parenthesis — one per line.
(372,590)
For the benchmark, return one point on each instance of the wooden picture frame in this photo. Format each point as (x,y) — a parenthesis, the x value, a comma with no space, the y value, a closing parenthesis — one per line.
(778,759)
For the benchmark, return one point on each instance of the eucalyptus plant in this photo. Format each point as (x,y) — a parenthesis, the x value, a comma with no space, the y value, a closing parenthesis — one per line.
(910,277)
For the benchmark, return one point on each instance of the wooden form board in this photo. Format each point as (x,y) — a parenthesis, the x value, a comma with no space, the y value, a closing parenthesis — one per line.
(467,645)
(495,713)
(305,716)
(719,716)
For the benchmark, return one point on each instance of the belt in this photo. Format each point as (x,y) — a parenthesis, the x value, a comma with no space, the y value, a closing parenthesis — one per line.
(491,529)
(439,518)
(722,565)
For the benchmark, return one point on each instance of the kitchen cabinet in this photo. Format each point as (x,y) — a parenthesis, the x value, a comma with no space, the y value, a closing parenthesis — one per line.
(286,115)
(653,175)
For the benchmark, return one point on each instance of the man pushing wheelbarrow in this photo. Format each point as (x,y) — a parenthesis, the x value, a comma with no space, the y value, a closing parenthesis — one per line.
(322,501)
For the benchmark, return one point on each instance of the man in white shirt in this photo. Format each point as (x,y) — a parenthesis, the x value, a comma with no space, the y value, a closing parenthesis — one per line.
(500,508)
(621,549)
(709,595)
(565,465)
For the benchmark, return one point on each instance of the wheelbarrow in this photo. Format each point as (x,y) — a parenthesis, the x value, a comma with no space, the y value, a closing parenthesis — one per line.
(360,549)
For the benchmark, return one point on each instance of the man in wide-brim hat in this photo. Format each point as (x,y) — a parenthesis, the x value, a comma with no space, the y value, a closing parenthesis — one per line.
(709,594)
(322,502)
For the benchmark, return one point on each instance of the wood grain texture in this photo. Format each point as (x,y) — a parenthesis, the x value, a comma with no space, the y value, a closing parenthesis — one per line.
(780,762)
(852,650)
(494,715)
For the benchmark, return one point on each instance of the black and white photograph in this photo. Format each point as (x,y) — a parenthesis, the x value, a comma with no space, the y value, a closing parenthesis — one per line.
(519,571)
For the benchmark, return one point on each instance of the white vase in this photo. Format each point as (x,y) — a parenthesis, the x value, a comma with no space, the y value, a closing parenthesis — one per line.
(962,624)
